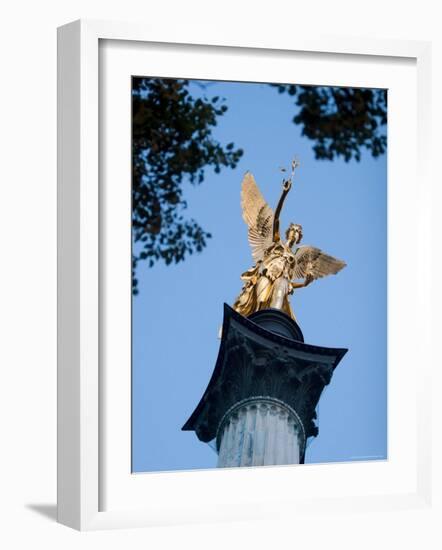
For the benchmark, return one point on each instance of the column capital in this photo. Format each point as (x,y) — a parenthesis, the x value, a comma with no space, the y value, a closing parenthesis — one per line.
(255,361)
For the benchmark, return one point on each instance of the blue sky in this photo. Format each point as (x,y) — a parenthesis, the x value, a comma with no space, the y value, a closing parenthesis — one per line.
(343,210)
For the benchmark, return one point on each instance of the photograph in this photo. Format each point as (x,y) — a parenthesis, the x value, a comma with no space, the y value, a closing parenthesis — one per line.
(259,274)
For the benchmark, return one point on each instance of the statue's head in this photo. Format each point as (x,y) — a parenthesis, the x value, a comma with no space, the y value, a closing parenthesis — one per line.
(293,234)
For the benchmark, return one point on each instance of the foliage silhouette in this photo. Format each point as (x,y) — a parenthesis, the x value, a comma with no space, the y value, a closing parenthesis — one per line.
(340,121)
(172,141)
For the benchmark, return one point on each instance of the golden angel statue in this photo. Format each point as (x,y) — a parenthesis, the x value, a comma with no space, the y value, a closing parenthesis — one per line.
(270,282)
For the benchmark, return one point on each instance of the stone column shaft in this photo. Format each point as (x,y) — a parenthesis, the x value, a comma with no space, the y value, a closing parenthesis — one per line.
(260,431)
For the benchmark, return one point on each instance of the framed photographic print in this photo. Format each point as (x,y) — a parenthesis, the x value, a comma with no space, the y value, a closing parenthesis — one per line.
(191,272)
(232,299)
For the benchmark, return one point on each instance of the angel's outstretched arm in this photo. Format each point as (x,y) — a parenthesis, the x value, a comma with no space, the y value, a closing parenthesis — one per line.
(286,186)
(308,279)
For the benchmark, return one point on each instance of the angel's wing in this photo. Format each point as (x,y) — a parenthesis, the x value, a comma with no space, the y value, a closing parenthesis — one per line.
(312,261)
(258,216)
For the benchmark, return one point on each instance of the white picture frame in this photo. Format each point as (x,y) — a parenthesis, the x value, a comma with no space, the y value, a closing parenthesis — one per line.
(81,471)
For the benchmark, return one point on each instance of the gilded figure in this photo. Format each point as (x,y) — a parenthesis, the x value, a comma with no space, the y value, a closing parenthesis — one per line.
(281,265)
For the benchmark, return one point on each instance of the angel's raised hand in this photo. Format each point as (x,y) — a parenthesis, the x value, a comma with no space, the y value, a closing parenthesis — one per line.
(287,184)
